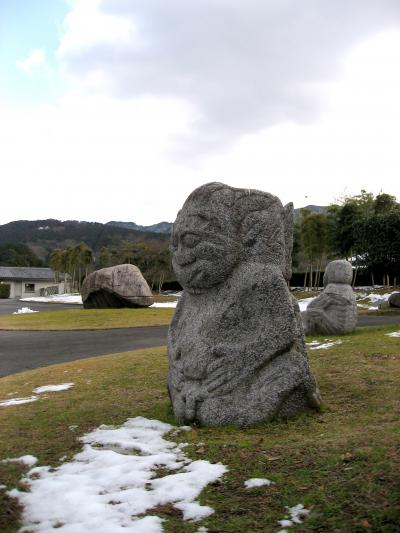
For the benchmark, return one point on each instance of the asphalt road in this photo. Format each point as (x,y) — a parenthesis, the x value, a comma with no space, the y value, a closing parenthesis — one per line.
(25,350)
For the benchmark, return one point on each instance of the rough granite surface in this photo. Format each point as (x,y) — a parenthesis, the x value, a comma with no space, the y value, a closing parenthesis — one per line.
(394,299)
(115,287)
(236,344)
(334,312)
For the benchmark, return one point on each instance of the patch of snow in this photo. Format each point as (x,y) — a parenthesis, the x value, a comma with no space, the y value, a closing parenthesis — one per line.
(164,304)
(17,401)
(113,480)
(202,530)
(285,523)
(377,297)
(315,345)
(24,311)
(53,388)
(74,298)
(257,482)
(296,515)
(305,302)
(3,487)
(28,460)
(194,511)
(394,334)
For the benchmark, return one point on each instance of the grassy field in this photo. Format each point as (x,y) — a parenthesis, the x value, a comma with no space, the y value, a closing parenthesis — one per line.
(342,463)
(76,319)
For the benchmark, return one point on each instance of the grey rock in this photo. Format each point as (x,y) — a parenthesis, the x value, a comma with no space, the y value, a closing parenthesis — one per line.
(394,299)
(236,344)
(334,312)
(114,287)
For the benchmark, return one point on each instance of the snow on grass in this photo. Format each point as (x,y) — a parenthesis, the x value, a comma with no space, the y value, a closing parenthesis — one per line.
(305,302)
(113,481)
(296,515)
(394,334)
(28,460)
(17,401)
(24,311)
(53,388)
(38,390)
(374,299)
(164,304)
(257,482)
(74,298)
(316,345)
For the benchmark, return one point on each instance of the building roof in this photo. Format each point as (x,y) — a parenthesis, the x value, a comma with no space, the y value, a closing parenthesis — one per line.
(21,273)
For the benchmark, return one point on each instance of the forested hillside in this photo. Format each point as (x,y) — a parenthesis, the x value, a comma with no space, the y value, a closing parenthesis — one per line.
(363,228)
(43,236)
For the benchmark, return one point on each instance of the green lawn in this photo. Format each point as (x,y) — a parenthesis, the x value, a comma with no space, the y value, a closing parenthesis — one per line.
(342,463)
(74,319)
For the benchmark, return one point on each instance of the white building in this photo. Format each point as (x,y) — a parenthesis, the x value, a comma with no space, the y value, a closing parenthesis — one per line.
(30,281)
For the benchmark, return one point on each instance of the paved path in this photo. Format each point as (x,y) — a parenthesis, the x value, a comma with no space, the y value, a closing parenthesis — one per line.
(24,350)
(385,320)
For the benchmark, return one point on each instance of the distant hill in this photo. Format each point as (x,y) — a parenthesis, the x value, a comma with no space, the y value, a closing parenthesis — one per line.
(161,227)
(166,227)
(43,236)
(312,208)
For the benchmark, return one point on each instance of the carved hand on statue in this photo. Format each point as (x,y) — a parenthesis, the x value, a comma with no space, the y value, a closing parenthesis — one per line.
(220,374)
(176,376)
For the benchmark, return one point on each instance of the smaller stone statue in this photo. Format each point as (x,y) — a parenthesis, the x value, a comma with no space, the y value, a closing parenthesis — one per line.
(334,312)
(114,287)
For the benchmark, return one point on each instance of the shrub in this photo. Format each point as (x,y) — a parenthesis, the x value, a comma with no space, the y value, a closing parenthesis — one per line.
(4,290)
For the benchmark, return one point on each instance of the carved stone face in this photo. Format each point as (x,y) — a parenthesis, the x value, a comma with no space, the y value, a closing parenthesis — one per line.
(204,247)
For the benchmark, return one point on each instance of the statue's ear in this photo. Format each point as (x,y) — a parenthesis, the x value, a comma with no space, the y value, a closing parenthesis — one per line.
(288,232)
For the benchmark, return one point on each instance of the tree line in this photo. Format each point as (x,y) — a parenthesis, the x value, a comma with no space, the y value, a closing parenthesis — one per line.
(363,229)
(75,262)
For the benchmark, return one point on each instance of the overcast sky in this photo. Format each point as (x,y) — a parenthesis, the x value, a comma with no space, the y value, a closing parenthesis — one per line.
(118,109)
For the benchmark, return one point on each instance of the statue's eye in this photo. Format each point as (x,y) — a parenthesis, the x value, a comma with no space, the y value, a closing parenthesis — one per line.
(190,240)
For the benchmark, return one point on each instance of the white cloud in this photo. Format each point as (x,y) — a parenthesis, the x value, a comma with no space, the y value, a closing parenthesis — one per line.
(85,26)
(36,58)
(243,66)
(166,96)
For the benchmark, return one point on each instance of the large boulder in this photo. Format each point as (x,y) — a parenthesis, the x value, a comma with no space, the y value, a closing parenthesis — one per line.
(334,312)
(114,287)
(235,345)
(394,299)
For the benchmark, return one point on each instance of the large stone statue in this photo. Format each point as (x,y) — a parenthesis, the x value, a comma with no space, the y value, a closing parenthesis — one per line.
(334,312)
(236,346)
(114,287)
